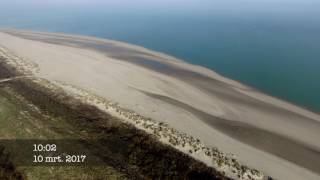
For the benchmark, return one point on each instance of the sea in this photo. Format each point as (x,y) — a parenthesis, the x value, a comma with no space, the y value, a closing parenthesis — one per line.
(270,45)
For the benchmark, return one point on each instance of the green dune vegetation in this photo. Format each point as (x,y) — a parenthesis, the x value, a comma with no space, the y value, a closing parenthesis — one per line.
(20,119)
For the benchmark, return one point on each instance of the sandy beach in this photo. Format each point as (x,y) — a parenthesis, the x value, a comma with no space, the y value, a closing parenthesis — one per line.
(266,133)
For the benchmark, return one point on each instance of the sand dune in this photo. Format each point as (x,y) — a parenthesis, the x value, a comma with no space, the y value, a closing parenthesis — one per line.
(266,133)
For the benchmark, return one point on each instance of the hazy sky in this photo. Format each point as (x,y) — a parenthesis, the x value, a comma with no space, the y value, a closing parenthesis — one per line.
(168,3)
(249,8)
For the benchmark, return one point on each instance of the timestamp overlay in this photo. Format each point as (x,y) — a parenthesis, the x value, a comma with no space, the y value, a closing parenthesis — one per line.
(50,152)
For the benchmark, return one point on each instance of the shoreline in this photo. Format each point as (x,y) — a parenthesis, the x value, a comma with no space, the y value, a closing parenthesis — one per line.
(196,86)
(169,60)
(172,60)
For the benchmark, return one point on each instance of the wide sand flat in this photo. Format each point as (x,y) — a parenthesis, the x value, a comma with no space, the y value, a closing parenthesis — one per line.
(266,133)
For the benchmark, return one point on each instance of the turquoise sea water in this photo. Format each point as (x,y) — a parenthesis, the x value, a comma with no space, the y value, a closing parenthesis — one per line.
(276,51)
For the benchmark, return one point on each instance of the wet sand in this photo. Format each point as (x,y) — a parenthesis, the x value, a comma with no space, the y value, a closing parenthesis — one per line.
(266,133)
